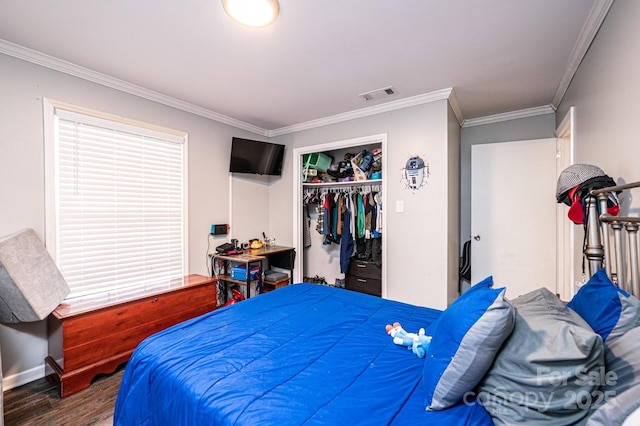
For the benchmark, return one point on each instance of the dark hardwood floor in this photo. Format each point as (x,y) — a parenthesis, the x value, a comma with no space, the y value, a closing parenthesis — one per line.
(38,404)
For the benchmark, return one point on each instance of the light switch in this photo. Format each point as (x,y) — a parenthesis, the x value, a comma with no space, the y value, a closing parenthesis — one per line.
(399,206)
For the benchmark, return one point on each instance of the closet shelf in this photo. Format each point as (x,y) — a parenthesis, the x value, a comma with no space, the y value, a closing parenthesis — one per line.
(339,184)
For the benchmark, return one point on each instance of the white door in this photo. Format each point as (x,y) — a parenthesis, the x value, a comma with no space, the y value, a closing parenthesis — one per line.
(513,215)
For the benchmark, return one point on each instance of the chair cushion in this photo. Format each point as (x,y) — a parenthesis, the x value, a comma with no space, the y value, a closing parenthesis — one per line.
(31,285)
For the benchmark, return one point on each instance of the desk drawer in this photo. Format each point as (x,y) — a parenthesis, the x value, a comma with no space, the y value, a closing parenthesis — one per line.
(364,285)
(360,268)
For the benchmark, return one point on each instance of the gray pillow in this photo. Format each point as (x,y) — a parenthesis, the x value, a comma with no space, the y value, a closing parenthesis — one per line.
(622,359)
(620,392)
(616,409)
(542,373)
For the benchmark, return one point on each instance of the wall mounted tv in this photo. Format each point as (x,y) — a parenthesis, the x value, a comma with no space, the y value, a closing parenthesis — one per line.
(255,157)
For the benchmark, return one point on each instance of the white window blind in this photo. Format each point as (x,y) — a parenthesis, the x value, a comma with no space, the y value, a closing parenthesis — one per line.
(119,203)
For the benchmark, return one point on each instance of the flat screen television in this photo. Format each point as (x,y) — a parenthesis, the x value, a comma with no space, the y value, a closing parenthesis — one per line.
(255,157)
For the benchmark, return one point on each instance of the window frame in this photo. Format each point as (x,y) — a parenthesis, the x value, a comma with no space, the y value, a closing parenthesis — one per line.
(51,108)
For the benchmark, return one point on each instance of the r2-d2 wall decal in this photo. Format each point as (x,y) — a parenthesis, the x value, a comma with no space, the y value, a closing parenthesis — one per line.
(415,173)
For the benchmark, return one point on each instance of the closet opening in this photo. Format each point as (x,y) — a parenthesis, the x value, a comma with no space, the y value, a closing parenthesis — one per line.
(320,256)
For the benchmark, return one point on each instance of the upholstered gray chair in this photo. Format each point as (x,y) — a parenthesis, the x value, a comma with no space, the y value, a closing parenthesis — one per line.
(31,285)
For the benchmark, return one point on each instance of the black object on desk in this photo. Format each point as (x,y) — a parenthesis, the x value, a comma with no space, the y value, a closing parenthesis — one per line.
(224,248)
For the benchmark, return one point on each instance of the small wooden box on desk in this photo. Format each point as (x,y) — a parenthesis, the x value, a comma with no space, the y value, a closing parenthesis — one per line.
(89,336)
(274,285)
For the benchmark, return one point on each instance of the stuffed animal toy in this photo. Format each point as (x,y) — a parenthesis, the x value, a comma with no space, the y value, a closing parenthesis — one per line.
(399,335)
(418,343)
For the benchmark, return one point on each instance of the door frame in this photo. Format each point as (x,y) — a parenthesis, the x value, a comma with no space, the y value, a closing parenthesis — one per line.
(565,145)
(297,197)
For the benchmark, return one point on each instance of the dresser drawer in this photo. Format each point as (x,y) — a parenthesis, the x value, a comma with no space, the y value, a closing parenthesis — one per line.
(360,268)
(371,286)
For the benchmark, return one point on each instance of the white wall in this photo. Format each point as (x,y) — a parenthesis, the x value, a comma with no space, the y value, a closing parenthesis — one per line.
(250,205)
(605,92)
(418,268)
(22,87)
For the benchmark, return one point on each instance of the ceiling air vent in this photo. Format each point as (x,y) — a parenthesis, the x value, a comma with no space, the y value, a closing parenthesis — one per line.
(376,94)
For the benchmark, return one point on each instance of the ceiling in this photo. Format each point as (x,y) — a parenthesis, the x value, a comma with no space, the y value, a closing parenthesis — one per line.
(498,56)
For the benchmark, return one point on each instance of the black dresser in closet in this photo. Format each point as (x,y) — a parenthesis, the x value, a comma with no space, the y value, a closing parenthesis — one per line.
(365,277)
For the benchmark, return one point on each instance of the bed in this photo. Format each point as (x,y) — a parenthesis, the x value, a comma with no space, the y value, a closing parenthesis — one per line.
(313,354)
(303,354)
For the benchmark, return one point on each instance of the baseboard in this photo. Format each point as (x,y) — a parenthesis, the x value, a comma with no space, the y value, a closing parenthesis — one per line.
(22,378)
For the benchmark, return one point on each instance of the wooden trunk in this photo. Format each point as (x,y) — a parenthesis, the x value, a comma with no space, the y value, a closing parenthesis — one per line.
(89,336)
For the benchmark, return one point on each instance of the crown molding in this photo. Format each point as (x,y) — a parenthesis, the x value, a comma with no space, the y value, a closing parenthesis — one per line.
(69,68)
(513,115)
(588,33)
(455,106)
(364,112)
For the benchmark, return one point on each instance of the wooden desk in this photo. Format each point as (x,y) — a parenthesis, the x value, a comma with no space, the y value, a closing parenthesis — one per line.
(277,256)
(95,334)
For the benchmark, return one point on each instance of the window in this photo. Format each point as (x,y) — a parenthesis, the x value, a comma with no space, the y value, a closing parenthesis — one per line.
(116,200)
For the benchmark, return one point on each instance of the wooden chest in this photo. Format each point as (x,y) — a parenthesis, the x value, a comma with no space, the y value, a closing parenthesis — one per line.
(88,336)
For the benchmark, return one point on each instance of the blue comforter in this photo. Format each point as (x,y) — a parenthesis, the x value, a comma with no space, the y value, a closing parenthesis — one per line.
(303,354)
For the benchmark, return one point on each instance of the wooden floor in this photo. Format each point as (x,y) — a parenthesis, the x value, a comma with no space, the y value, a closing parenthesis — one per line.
(38,404)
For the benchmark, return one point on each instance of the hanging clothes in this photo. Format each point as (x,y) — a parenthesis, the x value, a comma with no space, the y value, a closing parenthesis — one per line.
(306,226)
(347,243)
(369,208)
(378,199)
(350,217)
(326,227)
(340,215)
(320,222)
(335,213)
(360,213)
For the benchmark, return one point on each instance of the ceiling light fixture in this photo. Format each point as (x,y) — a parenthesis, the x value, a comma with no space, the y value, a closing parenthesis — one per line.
(252,13)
